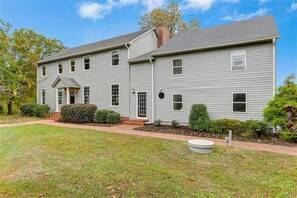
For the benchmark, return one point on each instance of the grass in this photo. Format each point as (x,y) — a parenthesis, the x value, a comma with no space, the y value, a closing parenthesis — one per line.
(16,118)
(49,161)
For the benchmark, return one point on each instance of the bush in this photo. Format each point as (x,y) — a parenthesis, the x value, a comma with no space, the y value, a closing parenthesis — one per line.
(175,124)
(41,111)
(78,113)
(289,136)
(1,109)
(113,118)
(224,125)
(254,129)
(27,109)
(101,115)
(199,119)
(158,122)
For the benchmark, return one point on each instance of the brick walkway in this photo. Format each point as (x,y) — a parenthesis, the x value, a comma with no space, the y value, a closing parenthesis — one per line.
(128,129)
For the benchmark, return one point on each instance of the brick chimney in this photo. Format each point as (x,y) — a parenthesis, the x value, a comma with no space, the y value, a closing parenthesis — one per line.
(164,34)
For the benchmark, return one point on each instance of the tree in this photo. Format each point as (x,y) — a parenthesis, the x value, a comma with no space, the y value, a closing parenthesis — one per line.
(170,16)
(20,50)
(286,95)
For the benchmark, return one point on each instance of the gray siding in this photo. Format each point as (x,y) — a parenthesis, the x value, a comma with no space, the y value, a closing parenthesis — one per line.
(99,78)
(207,78)
(141,81)
(144,44)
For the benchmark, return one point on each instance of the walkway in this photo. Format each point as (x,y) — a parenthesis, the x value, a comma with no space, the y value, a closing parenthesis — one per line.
(128,129)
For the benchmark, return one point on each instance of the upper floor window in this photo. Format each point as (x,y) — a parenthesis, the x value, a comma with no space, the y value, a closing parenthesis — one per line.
(72,65)
(43,96)
(43,70)
(115,58)
(60,67)
(86,63)
(239,102)
(87,95)
(177,102)
(115,95)
(177,66)
(238,60)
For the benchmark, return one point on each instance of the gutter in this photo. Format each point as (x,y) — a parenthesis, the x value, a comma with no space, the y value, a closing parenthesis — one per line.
(274,65)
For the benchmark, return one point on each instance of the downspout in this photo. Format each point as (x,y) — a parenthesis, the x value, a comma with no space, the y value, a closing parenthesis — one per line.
(37,83)
(273,65)
(127,45)
(153,102)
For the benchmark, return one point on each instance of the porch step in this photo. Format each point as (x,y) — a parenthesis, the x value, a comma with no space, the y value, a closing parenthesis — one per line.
(136,122)
(55,116)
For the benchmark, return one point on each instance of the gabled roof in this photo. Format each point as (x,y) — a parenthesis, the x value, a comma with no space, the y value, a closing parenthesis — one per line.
(142,58)
(241,32)
(107,44)
(67,82)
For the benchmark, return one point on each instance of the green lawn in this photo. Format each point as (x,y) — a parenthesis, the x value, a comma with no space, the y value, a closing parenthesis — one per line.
(48,161)
(16,118)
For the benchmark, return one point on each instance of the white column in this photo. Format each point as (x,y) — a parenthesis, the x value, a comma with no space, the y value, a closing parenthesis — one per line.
(57,102)
(68,96)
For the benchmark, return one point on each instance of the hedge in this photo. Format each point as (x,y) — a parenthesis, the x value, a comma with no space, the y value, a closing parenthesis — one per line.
(33,109)
(1,109)
(199,118)
(78,113)
(224,125)
(105,116)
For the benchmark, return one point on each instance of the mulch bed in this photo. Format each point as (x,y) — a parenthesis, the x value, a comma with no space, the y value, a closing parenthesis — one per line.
(184,130)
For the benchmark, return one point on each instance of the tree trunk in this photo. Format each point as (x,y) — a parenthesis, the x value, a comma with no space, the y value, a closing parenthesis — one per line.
(9,107)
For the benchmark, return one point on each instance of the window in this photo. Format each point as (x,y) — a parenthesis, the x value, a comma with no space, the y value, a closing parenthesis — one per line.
(115,95)
(238,60)
(239,102)
(177,66)
(86,63)
(43,70)
(87,95)
(60,96)
(161,95)
(115,58)
(60,68)
(43,96)
(177,101)
(72,65)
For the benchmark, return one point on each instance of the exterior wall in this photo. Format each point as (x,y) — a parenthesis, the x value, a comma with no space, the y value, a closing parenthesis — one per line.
(99,78)
(207,79)
(144,44)
(141,81)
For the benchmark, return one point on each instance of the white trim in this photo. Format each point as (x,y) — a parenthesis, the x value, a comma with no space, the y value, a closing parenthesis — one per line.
(137,117)
(238,52)
(74,65)
(67,95)
(246,102)
(110,94)
(43,65)
(83,94)
(153,99)
(160,98)
(37,87)
(117,50)
(58,67)
(142,35)
(182,66)
(41,101)
(274,65)
(57,100)
(176,102)
(84,63)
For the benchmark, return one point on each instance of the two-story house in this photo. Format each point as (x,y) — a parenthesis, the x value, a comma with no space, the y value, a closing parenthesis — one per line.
(145,75)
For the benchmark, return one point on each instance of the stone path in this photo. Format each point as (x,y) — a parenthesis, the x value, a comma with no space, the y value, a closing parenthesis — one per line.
(128,129)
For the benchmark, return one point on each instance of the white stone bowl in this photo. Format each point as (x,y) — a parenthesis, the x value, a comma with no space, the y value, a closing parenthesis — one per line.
(201,146)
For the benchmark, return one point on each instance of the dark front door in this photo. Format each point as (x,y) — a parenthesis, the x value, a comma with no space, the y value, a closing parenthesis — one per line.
(142,104)
(72,97)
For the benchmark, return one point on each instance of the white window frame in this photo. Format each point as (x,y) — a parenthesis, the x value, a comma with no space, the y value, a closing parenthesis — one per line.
(58,71)
(89,63)
(88,95)
(137,105)
(118,51)
(42,96)
(182,66)
(71,65)
(111,105)
(240,52)
(60,90)
(178,102)
(246,102)
(43,66)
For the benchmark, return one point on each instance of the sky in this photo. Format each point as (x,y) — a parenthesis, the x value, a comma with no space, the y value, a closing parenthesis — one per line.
(80,22)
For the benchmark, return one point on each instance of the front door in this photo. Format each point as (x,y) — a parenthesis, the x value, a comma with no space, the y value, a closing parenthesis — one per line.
(72,97)
(142,104)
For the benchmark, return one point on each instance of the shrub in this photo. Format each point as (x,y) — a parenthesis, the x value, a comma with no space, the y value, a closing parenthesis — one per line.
(224,125)
(27,109)
(199,119)
(101,115)
(1,109)
(175,124)
(289,136)
(78,113)
(41,110)
(113,118)
(254,129)
(158,122)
